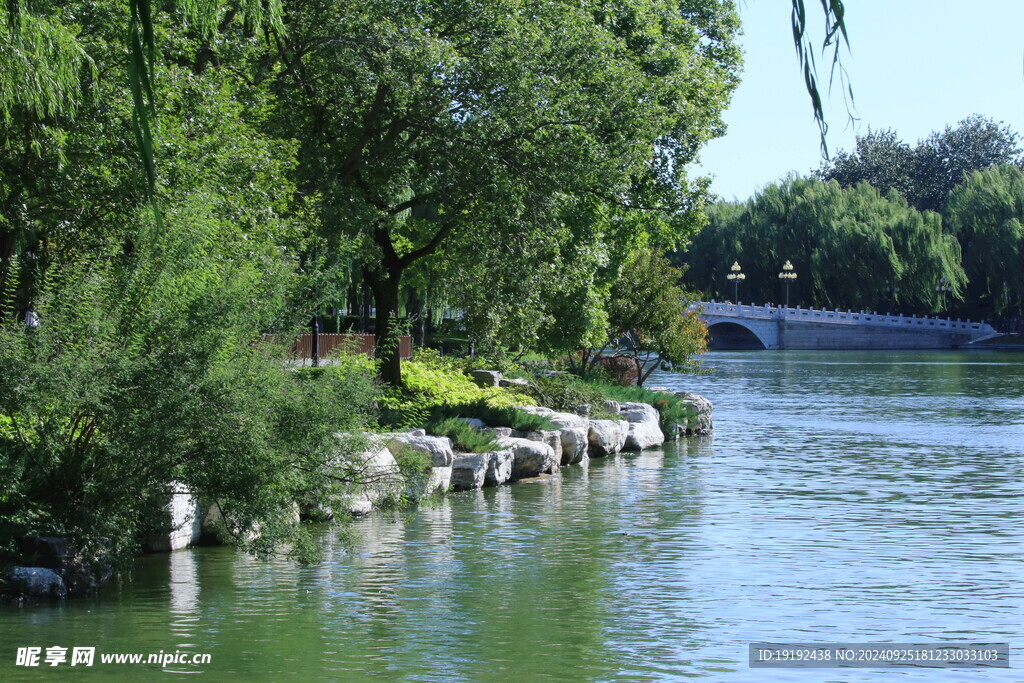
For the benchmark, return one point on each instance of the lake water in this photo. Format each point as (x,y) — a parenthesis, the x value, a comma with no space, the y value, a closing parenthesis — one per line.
(850,497)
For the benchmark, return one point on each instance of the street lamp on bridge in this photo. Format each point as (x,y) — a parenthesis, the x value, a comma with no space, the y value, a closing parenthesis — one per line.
(736,276)
(787,276)
(943,288)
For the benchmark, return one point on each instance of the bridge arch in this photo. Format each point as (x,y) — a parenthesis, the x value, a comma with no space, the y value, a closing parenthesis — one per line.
(731,335)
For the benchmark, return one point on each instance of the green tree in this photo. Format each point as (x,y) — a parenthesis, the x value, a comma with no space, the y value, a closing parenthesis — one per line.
(986,213)
(420,123)
(851,248)
(880,159)
(147,367)
(944,159)
(926,174)
(648,307)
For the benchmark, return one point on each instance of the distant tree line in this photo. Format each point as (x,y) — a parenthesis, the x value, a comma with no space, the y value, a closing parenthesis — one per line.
(936,228)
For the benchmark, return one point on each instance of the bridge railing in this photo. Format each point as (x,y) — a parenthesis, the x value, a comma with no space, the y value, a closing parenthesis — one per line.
(766,312)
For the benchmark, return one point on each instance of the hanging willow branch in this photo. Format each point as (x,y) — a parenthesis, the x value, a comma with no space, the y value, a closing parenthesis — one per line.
(835,37)
(41,64)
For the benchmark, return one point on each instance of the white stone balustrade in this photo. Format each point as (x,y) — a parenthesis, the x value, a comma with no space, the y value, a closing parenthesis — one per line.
(779,327)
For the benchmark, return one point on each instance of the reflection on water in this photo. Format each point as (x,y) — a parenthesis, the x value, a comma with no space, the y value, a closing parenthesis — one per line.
(844,497)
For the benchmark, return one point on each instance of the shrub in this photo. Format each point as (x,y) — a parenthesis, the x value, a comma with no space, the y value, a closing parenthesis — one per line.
(464,437)
(495,417)
(432,380)
(148,370)
(566,393)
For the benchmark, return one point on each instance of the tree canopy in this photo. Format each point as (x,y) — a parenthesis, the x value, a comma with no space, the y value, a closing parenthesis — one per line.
(986,214)
(851,248)
(925,174)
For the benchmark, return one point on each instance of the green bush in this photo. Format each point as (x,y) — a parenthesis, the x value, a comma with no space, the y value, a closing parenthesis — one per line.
(463,436)
(495,417)
(433,380)
(149,370)
(565,393)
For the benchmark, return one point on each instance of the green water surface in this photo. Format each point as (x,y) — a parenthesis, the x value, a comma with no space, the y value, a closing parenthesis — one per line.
(845,496)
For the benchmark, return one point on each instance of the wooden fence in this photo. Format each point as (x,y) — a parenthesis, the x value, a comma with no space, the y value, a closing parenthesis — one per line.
(357,343)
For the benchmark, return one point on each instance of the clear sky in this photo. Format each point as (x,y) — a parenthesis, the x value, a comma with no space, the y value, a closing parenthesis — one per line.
(916,66)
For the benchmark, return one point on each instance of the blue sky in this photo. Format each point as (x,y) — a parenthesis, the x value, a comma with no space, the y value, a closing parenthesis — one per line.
(915,66)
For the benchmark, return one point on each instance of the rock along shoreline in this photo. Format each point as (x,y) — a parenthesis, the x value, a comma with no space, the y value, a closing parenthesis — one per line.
(577,438)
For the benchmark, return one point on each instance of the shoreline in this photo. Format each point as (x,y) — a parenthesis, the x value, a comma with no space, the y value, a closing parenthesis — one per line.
(62,571)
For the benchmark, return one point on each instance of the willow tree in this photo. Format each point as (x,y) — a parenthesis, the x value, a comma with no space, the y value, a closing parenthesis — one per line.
(986,214)
(851,247)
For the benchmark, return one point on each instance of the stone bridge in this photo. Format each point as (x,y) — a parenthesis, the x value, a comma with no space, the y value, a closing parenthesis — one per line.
(739,326)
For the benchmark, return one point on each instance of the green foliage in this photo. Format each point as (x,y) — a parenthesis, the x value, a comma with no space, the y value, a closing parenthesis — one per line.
(42,62)
(880,159)
(925,175)
(986,214)
(464,437)
(494,416)
(433,380)
(432,129)
(850,248)
(649,308)
(145,371)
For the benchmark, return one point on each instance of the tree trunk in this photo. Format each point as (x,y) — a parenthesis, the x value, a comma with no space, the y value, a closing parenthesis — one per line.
(8,243)
(385,296)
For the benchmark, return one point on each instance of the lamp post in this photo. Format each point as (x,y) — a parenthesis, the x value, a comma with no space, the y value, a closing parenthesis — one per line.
(894,291)
(787,276)
(942,288)
(736,276)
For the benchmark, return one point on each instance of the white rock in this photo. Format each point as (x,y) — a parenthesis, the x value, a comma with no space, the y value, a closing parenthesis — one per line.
(359,507)
(606,437)
(439,448)
(574,444)
(644,430)
(181,523)
(499,467)
(572,433)
(552,439)
(469,470)
(439,481)
(701,422)
(379,472)
(531,458)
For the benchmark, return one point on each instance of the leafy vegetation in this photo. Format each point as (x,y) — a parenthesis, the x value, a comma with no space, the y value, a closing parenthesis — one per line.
(925,174)
(494,416)
(433,381)
(168,201)
(464,437)
(851,248)
(143,373)
(986,214)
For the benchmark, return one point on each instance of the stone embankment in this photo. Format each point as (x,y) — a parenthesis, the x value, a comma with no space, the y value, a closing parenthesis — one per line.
(187,521)
(524,455)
